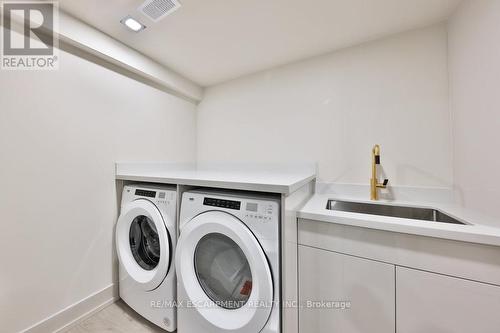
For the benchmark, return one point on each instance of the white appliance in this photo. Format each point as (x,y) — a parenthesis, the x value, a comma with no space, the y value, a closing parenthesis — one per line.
(227,263)
(145,242)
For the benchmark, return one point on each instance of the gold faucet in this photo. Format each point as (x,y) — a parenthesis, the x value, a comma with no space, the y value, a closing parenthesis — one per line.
(374,184)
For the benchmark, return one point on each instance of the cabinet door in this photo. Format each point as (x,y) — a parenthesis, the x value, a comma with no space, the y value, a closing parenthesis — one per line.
(428,302)
(327,277)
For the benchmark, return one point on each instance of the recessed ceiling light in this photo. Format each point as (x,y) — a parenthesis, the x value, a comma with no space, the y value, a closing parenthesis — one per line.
(133,24)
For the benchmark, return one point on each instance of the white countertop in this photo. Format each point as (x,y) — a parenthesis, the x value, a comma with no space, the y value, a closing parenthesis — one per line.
(482,229)
(258,179)
(286,180)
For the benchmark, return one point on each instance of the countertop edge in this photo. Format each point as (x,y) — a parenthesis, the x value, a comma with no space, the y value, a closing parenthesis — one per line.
(260,187)
(461,236)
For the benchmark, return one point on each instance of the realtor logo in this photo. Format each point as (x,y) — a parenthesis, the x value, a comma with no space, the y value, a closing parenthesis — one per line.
(28,37)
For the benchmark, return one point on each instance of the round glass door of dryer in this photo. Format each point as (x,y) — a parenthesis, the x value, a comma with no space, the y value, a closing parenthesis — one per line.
(223,271)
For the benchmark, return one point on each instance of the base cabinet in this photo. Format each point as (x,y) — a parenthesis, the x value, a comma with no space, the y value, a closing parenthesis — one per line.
(395,282)
(344,294)
(428,302)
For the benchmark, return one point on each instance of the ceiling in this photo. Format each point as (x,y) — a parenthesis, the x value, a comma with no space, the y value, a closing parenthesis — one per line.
(214,41)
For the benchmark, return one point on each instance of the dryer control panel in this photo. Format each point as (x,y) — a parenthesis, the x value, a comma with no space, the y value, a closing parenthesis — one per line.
(255,210)
(221,203)
(260,213)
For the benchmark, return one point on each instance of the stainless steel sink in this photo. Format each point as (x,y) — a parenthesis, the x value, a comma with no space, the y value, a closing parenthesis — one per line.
(424,214)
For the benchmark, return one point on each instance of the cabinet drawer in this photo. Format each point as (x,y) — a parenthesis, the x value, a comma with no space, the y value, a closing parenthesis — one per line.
(428,302)
(367,286)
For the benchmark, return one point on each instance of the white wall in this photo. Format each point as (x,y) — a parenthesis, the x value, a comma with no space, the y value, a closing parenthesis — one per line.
(85,37)
(474,49)
(334,108)
(60,135)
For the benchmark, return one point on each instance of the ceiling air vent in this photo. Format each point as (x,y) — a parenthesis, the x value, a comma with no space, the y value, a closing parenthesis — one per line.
(158,9)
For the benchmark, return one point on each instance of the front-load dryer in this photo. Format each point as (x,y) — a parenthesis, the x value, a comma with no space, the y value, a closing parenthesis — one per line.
(227,263)
(145,243)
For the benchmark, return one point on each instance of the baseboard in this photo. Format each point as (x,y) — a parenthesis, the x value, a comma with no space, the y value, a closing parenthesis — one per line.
(72,314)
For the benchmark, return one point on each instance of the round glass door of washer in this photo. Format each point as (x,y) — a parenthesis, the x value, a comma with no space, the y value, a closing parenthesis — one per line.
(144,242)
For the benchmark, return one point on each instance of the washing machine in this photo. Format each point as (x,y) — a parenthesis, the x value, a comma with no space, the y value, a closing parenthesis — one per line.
(145,242)
(227,263)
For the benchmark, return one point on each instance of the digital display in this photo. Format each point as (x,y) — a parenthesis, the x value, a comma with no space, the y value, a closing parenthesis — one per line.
(222,203)
(146,193)
(252,207)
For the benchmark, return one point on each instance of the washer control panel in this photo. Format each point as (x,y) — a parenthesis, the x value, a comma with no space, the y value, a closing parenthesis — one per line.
(164,197)
(145,193)
(159,196)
